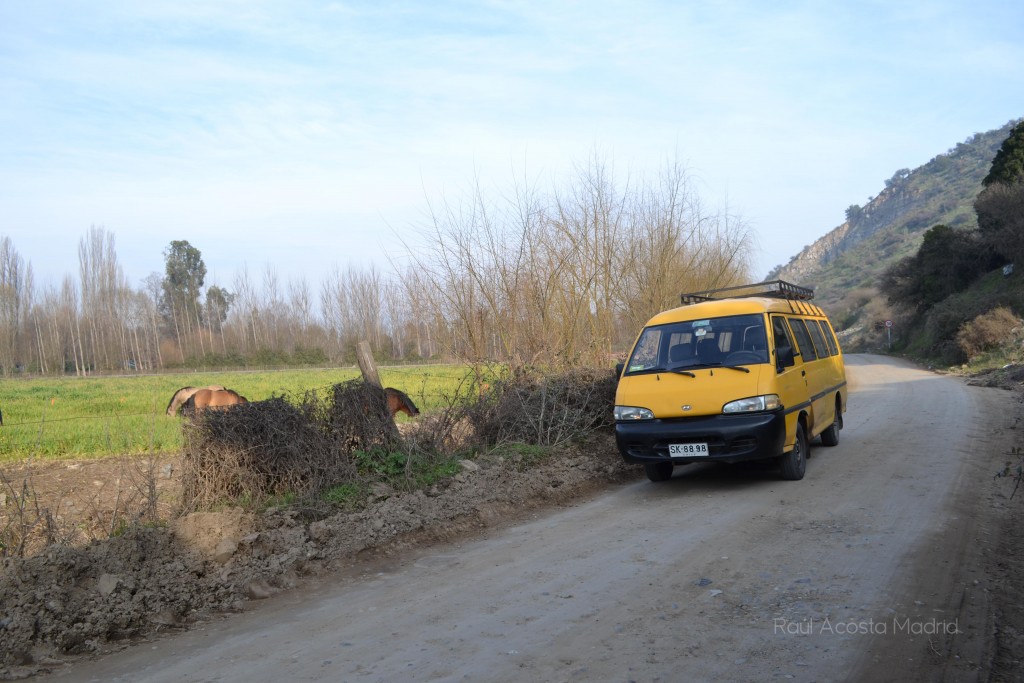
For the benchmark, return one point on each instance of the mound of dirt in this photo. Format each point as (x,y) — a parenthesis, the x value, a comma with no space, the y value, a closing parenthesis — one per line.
(1009,377)
(87,600)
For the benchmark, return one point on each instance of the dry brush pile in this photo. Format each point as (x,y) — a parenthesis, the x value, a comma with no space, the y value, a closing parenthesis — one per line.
(268,449)
(296,455)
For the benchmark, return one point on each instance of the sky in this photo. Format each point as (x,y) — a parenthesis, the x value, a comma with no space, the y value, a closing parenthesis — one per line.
(305,137)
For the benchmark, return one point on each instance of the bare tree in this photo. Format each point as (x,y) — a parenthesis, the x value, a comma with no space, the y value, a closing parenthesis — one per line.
(152,290)
(15,298)
(271,308)
(352,305)
(676,245)
(105,297)
(300,303)
(246,312)
(556,279)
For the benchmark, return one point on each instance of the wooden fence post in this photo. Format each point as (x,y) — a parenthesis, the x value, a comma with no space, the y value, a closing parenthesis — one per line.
(369,369)
(367,365)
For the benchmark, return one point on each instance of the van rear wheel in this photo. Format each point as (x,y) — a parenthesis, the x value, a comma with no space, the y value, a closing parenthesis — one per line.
(794,464)
(830,437)
(658,471)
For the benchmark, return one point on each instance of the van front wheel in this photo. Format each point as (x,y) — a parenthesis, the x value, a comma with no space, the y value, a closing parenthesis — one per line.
(794,464)
(658,471)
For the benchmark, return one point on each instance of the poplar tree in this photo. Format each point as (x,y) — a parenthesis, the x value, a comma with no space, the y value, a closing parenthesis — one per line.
(182,285)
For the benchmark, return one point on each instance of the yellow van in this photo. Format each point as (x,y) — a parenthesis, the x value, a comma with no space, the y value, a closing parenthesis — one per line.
(741,373)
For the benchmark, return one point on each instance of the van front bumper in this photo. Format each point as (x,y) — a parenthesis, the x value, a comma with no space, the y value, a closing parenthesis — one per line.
(730,438)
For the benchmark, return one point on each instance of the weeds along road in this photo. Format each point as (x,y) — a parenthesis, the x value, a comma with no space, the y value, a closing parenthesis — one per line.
(862,571)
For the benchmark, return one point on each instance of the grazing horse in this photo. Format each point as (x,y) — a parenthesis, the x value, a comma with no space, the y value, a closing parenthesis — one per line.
(183,394)
(398,401)
(211,399)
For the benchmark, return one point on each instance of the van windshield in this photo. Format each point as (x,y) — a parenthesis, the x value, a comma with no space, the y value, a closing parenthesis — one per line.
(729,341)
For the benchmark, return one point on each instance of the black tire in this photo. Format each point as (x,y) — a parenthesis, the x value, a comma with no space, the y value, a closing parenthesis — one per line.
(658,471)
(792,465)
(830,437)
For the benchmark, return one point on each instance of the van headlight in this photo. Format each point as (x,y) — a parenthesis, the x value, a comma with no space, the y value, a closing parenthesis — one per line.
(623,413)
(754,404)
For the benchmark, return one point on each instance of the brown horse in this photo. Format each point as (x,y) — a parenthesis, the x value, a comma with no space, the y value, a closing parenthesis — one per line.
(183,394)
(211,399)
(398,402)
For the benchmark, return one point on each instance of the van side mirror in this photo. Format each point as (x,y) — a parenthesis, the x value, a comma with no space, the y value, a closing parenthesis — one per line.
(618,369)
(784,357)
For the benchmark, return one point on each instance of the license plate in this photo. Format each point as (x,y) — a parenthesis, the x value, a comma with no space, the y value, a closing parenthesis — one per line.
(690,450)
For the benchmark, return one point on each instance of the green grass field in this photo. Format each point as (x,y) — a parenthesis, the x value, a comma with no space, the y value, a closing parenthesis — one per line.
(75,417)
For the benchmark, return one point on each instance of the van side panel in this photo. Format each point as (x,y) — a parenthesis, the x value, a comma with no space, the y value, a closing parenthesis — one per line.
(824,373)
(838,368)
(790,382)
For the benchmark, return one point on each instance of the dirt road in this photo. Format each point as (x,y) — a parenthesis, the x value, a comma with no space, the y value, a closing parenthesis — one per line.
(868,569)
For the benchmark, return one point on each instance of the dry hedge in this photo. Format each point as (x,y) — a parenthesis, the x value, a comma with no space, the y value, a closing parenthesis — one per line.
(274,448)
(545,410)
(987,331)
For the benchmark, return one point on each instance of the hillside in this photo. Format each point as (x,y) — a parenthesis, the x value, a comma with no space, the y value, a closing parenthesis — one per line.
(844,266)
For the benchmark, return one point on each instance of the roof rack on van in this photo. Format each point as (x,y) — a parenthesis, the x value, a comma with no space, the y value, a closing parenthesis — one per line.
(778,289)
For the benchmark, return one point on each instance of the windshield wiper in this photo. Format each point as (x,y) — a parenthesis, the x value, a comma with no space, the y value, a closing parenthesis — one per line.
(740,368)
(677,371)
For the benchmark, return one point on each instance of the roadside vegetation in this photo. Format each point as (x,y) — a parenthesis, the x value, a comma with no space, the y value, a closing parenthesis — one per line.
(960,298)
(336,445)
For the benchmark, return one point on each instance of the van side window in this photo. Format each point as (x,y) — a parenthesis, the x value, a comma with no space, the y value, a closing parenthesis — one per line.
(803,339)
(818,338)
(781,334)
(830,339)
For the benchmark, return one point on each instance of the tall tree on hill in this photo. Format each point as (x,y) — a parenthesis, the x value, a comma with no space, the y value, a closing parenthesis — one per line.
(1000,206)
(182,285)
(1008,164)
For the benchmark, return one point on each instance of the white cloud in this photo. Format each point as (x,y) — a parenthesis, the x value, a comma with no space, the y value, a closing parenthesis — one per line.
(255,129)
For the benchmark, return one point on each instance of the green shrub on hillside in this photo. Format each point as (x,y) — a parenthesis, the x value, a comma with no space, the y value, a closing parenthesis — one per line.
(947,261)
(933,334)
(1000,209)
